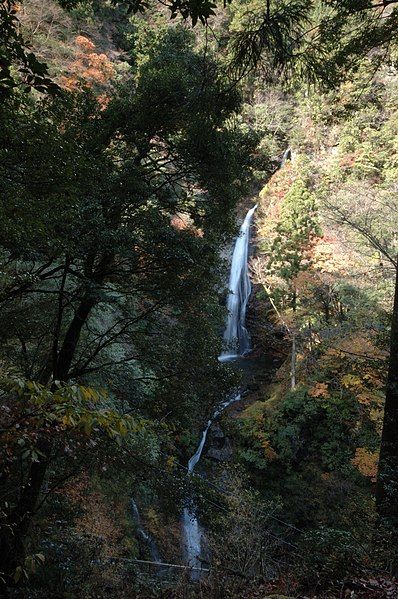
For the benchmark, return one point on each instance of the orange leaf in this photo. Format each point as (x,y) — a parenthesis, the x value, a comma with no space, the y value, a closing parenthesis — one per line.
(319,390)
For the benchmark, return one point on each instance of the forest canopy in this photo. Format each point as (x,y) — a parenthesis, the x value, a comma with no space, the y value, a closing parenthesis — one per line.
(134,138)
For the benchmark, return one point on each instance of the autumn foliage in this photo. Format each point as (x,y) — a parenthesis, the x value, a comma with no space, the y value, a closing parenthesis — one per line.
(91,68)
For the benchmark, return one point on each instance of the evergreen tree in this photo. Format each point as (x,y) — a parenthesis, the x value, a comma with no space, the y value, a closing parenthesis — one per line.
(295,231)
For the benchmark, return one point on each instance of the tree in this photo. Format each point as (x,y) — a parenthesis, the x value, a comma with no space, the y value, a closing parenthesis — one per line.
(18,66)
(387,479)
(89,251)
(195,10)
(295,231)
(365,222)
(319,41)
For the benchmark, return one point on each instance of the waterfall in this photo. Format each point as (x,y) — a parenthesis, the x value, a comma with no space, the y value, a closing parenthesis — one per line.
(236,336)
(237,343)
(148,540)
(191,528)
(287,155)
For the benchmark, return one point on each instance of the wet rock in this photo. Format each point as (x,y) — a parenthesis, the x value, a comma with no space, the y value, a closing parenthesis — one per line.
(217,433)
(220,448)
(220,455)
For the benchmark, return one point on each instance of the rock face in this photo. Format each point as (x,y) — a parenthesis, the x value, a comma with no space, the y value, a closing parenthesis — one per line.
(220,448)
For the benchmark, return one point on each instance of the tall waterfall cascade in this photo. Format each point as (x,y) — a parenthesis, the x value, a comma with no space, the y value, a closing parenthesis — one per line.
(237,343)
(236,337)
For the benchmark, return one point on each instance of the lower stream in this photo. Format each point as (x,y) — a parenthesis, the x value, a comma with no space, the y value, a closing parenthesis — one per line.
(191,528)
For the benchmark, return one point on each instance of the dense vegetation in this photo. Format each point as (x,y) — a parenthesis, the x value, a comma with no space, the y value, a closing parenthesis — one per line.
(132,134)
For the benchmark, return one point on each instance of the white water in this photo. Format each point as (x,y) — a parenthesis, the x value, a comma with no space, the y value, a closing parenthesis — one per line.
(236,336)
(148,540)
(287,155)
(191,528)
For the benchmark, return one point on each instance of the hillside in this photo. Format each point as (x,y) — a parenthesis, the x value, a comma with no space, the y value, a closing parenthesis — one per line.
(198,395)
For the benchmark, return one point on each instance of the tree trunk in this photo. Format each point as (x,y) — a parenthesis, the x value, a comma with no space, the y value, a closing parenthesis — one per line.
(67,352)
(327,310)
(13,535)
(294,299)
(12,541)
(293,364)
(17,524)
(387,480)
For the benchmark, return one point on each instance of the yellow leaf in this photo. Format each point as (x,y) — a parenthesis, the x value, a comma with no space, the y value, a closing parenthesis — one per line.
(170,462)
(366,462)
(351,381)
